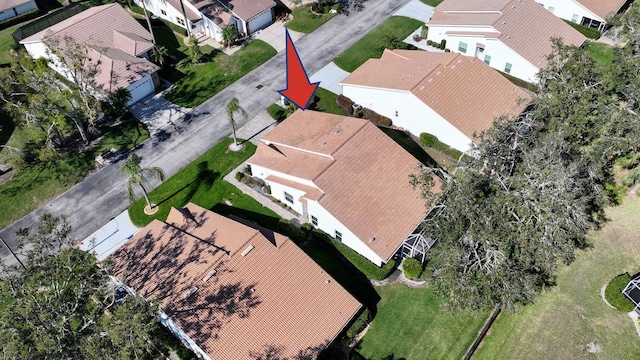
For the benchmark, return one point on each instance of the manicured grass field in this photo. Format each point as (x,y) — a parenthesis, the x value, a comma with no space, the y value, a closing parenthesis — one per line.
(7,43)
(373,43)
(201,183)
(432,2)
(305,21)
(602,53)
(411,325)
(33,186)
(325,101)
(566,318)
(200,82)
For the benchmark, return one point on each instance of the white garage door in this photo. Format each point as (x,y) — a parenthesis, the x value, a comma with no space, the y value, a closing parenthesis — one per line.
(141,88)
(261,21)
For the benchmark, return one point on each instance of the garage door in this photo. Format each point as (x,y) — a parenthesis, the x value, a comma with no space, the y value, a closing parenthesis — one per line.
(141,88)
(261,21)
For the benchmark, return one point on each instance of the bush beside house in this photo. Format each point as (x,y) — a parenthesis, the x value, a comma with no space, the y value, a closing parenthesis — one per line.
(411,268)
(614,296)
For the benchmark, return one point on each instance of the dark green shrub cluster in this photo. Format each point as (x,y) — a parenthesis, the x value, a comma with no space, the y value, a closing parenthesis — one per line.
(586,31)
(285,227)
(376,118)
(411,47)
(411,268)
(519,82)
(239,176)
(358,324)
(360,262)
(277,112)
(439,45)
(615,297)
(424,31)
(345,104)
(433,142)
(628,161)
(615,193)
(32,14)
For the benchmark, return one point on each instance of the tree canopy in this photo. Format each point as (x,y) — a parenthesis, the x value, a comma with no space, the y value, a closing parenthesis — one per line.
(62,305)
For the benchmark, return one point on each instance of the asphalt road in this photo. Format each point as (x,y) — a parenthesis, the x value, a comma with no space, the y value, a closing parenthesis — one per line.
(101,196)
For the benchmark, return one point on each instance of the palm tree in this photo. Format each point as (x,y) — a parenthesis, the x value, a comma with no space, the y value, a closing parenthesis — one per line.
(160,54)
(139,176)
(233,107)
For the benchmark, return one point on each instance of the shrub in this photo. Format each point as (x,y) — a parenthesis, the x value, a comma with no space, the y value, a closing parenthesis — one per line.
(615,193)
(443,44)
(376,118)
(629,161)
(430,42)
(428,139)
(286,228)
(239,176)
(586,31)
(424,31)
(447,50)
(306,226)
(411,268)
(411,47)
(358,325)
(432,141)
(365,266)
(615,297)
(345,104)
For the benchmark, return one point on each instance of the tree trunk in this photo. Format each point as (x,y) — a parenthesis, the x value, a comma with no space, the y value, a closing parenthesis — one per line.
(146,196)
(144,7)
(233,131)
(81,130)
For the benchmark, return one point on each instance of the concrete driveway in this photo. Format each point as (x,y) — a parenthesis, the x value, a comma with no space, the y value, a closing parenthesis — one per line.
(416,10)
(330,77)
(274,35)
(110,237)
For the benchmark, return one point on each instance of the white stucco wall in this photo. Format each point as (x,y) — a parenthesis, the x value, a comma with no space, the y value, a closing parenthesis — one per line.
(38,49)
(500,53)
(566,9)
(329,224)
(20,9)
(412,113)
(171,14)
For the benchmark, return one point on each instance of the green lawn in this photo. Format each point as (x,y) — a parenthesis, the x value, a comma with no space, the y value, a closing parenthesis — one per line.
(601,53)
(33,186)
(325,101)
(7,43)
(201,183)
(200,82)
(277,112)
(373,43)
(411,325)
(571,315)
(305,21)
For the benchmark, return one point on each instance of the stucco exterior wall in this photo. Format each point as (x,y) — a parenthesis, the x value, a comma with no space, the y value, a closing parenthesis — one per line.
(409,112)
(500,53)
(566,9)
(171,14)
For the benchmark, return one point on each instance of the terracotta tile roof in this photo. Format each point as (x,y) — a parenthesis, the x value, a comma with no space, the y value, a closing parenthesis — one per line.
(267,294)
(366,187)
(248,9)
(309,165)
(453,85)
(215,11)
(524,25)
(191,15)
(311,193)
(116,42)
(8,4)
(603,8)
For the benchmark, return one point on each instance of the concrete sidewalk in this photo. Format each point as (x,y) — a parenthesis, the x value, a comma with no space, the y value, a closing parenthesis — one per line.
(330,77)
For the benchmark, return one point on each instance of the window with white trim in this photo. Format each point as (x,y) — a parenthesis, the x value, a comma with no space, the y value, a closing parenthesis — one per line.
(288,197)
(338,236)
(487,59)
(507,68)
(462,47)
(574,18)
(180,21)
(314,221)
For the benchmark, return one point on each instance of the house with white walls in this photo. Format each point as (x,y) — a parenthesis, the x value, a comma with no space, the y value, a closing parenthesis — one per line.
(448,95)
(232,290)
(13,8)
(346,177)
(119,49)
(590,13)
(207,18)
(512,36)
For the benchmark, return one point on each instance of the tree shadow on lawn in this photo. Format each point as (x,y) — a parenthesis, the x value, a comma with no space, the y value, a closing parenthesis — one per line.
(205,178)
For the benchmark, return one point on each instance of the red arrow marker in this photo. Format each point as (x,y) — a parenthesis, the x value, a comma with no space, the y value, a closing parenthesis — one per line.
(299,90)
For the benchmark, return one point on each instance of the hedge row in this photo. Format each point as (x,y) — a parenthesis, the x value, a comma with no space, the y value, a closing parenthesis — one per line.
(24,17)
(432,141)
(586,31)
(360,262)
